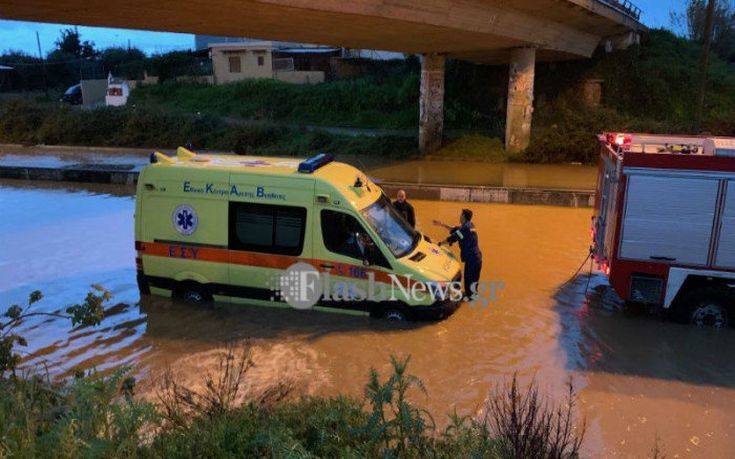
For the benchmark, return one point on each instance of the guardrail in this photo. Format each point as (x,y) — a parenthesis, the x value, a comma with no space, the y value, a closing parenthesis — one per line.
(626,7)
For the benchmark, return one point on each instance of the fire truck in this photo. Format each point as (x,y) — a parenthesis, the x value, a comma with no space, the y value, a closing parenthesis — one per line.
(664,224)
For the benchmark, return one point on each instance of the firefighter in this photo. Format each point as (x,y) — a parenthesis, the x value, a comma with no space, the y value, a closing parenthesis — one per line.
(469,246)
(405,208)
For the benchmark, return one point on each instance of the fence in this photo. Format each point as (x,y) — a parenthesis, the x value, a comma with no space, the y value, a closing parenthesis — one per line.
(625,6)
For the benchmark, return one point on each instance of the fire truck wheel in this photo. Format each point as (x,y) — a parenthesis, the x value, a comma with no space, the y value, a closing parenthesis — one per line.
(194,293)
(709,307)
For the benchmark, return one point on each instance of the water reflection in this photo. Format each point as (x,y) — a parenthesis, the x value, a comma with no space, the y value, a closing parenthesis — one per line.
(599,336)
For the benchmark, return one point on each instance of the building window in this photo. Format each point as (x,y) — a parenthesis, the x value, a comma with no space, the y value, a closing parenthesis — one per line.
(261,61)
(267,229)
(234,64)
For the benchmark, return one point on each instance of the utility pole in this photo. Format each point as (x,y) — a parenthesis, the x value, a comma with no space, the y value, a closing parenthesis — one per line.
(43,64)
(704,62)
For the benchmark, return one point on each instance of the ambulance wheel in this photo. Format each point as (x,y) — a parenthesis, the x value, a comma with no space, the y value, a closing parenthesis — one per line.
(709,307)
(194,293)
(395,315)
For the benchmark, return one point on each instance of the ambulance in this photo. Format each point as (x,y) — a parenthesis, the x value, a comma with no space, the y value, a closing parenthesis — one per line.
(225,228)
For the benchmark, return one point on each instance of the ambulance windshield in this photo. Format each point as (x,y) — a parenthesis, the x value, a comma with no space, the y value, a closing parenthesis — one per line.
(395,232)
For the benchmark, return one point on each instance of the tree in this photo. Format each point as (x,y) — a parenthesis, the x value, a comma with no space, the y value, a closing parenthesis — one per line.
(176,63)
(694,20)
(70,43)
(704,63)
(128,63)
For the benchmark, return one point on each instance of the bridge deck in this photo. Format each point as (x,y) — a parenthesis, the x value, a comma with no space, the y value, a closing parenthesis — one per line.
(479,30)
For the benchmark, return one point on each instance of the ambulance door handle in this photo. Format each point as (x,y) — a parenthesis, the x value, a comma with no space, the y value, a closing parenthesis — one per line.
(327,266)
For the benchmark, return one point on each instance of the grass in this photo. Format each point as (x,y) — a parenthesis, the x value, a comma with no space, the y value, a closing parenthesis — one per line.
(362,102)
(96,416)
(473,147)
(28,122)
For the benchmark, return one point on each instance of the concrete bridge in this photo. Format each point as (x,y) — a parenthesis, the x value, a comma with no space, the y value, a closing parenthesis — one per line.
(516,32)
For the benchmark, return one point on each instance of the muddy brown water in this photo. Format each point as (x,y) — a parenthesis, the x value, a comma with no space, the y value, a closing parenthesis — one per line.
(638,378)
(429,172)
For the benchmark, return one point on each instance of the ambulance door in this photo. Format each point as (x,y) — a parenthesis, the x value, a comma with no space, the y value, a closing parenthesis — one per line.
(264,240)
(349,255)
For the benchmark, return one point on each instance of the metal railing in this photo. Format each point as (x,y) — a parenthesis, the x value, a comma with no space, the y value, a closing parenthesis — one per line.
(626,7)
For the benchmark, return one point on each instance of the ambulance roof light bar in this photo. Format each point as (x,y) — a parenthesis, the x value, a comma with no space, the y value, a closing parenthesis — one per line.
(310,165)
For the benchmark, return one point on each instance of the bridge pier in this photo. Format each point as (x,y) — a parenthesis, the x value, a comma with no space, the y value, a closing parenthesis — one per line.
(520,99)
(431,103)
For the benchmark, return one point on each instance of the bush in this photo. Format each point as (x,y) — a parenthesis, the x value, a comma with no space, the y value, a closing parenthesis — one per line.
(23,121)
(19,121)
(383,424)
(90,415)
(96,416)
(362,102)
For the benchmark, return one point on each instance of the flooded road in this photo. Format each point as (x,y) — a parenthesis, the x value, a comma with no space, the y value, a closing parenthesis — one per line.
(509,175)
(638,378)
(430,172)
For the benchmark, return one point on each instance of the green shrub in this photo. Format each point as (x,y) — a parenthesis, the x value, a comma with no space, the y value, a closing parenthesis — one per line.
(90,416)
(362,102)
(19,121)
(96,416)
(26,122)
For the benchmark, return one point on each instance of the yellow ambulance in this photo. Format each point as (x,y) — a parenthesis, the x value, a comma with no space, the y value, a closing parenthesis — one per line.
(227,228)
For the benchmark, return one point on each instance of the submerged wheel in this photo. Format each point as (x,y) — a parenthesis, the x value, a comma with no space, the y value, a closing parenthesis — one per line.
(709,307)
(395,315)
(194,293)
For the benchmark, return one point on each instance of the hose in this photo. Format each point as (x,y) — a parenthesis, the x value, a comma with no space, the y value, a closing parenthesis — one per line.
(574,276)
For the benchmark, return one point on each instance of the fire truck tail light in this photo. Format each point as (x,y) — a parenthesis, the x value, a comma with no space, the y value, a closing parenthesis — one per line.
(622,140)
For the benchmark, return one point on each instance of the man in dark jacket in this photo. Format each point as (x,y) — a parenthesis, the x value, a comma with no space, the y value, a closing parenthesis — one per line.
(405,208)
(469,247)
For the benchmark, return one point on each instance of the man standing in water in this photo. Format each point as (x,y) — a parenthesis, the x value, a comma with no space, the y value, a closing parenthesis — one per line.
(469,247)
(405,208)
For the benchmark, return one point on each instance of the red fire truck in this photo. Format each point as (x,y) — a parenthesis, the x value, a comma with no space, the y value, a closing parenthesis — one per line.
(664,223)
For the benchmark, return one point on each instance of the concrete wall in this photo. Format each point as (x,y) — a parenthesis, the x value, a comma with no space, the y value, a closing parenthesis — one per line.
(299,77)
(249,68)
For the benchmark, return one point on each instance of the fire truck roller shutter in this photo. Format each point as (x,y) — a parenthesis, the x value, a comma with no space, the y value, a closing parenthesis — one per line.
(669,219)
(726,247)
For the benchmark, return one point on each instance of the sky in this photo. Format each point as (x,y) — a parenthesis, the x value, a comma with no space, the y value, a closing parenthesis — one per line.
(21,36)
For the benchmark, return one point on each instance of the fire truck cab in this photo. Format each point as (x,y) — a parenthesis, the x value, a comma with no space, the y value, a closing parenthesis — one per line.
(664,223)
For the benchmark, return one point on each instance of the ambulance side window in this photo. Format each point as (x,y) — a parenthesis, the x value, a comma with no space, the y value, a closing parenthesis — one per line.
(340,232)
(267,229)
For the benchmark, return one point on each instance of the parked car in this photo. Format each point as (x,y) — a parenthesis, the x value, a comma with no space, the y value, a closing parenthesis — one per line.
(73,95)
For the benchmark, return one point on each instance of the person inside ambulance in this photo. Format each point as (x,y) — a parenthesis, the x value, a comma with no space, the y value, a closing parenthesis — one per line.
(469,247)
(359,245)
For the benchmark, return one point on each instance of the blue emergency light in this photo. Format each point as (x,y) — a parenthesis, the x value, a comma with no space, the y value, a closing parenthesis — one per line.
(315,162)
